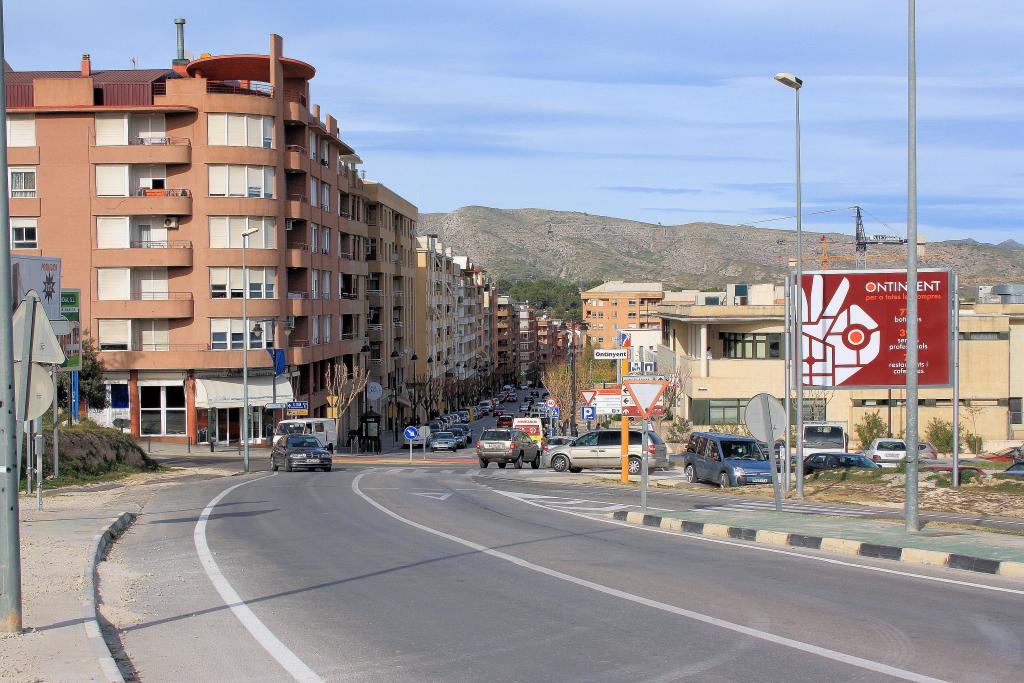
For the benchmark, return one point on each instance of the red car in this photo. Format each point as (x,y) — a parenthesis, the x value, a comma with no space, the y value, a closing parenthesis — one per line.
(504,421)
(498,412)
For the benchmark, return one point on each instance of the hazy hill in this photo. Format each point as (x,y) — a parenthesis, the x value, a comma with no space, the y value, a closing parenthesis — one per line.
(579,247)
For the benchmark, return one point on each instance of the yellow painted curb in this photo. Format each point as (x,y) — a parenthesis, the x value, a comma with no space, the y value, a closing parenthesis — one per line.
(719,530)
(930,557)
(635,517)
(672,524)
(1013,570)
(772,537)
(842,546)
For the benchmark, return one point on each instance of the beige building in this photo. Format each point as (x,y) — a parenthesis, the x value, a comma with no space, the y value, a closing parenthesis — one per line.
(154,186)
(726,354)
(618,305)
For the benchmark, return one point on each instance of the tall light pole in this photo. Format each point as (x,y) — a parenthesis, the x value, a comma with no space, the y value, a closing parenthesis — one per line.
(245,352)
(791,81)
(910,500)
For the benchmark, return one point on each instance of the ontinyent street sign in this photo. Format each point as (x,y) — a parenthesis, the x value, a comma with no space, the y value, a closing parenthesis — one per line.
(550,403)
(611,354)
(588,413)
(587,397)
(643,397)
(275,406)
(411,432)
(374,391)
(765,418)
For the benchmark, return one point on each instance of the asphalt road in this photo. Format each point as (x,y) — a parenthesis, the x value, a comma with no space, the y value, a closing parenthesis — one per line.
(406,574)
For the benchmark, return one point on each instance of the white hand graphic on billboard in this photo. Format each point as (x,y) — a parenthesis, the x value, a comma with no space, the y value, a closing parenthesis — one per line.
(837,340)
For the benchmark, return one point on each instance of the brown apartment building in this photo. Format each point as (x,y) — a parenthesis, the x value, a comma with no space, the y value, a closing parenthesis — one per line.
(148,183)
(618,305)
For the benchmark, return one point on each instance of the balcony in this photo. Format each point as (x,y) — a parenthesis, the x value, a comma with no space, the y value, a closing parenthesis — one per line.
(146,305)
(154,150)
(176,202)
(375,297)
(255,88)
(297,206)
(149,253)
(375,331)
(296,159)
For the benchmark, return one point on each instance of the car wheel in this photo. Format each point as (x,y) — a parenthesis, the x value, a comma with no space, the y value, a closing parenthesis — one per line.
(327,469)
(519,462)
(287,466)
(724,481)
(690,474)
(560,463)
(575,470)
(634,466)
(330,448)
(484,464)
(502,465)
(535,463)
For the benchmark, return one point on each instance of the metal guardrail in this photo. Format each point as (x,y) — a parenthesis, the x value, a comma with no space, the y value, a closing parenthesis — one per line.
(160,296)
(166,192)
(235,88)
(160,140)
(160,244)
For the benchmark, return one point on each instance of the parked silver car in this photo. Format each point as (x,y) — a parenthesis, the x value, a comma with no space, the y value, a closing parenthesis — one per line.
(602,448)
(505,446)
(887,452)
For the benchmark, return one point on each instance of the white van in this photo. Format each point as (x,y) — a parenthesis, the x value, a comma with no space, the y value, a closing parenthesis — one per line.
(323,428)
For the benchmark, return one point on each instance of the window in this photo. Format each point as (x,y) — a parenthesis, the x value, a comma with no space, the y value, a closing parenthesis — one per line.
(161,410)
(314,235)
(316,284)
(228,333)
(325,149)
(325,284)
(23,181)
(750,346)
(325,196)
(327,329)
(316,330)
(229,283)
(113,284)
(241,181)
(314,192)
(111,129)
(226,232)
(975,336)
(24,233)
(727,411)
(21,130)
(115,335)
(112,180)
(312,146)
(240,130)
(325,240)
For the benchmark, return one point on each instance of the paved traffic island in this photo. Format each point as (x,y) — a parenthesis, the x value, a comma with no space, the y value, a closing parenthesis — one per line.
(976,551)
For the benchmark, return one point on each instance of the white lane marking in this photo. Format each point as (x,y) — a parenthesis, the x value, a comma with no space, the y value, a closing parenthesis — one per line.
(435,495)
(263,635)
(766,549)
(647,602)
(576,503)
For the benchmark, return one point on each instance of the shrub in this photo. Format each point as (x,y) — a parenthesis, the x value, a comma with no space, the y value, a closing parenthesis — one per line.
(679,430)
(974,442)
(940,433)
(871,428)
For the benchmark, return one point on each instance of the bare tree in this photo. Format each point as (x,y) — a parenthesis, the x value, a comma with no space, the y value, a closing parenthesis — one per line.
(676,388)
(558,382)
(346,386)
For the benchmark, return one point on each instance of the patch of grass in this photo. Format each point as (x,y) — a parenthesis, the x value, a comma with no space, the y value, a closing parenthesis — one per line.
(118,471)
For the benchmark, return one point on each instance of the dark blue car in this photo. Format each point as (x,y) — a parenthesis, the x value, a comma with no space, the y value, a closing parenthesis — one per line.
(725,459)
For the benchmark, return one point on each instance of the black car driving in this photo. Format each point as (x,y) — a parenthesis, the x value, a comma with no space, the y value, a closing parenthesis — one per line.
(300,451)
(818,462)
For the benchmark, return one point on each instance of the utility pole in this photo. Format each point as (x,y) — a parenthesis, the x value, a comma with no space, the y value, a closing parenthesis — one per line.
(572,367)
(10,557)
(911,502)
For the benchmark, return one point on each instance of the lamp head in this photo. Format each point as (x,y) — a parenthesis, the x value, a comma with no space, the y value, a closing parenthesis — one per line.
(789,80)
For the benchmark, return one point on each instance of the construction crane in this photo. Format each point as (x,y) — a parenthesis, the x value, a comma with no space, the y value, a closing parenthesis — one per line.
(863,240)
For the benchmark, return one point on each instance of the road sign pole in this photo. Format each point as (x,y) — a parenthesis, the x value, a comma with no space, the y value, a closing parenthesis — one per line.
(56,421)
(910,511)
(410,450)
(788,382)
(624,475)
(956,381)
(644,465)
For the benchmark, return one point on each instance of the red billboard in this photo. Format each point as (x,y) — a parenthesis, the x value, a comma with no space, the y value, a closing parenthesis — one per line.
(854,329)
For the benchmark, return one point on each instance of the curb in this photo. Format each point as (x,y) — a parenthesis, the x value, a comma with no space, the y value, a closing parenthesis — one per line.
(90,595)
(841,546)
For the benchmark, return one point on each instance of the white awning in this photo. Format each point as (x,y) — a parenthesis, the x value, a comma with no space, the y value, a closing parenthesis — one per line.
(226,392)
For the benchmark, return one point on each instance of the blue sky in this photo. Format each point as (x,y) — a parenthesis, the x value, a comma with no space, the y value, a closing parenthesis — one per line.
(653,110)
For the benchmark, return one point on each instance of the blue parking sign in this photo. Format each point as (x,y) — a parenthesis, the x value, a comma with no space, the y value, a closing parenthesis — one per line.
(588,413)
(555,412)
(411,433)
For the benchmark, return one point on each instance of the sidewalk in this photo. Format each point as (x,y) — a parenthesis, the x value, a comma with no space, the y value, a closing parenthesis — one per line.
(979,551)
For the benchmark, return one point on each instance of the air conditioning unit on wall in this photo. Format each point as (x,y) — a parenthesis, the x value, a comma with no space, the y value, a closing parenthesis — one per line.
(171,223)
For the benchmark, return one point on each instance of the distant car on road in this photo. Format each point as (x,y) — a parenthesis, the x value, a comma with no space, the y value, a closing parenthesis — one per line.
(726,460)
(483,409)
(524,407)
(504,421)
(505,446)
(927,450)
(887,452)
(818,462)
(300,451)
(1015,470)
(463,433)
(444,441)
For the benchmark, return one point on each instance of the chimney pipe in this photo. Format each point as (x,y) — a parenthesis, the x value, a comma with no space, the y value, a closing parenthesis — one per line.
(180,59)
(86,66)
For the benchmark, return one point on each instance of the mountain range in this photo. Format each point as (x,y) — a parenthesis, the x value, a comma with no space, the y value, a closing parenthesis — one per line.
(582,247)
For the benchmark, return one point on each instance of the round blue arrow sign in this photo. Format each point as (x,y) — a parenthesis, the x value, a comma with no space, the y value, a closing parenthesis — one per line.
(411,432)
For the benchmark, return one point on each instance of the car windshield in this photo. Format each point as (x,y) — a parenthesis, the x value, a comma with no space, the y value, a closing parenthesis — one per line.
(742,450)
(444,435)
(496,435)
(303,442)
(824,435)
(1017,467)
(857,461)
(892,446)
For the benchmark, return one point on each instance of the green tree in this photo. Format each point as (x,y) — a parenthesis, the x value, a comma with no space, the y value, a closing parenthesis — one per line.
(91,390)
(871,427)
(600,370)
(940,434)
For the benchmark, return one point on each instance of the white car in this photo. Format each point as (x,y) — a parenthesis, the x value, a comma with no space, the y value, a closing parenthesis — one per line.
(887,452)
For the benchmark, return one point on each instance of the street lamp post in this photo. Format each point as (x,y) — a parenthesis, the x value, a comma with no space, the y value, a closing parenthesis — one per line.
(572,368)
(913,454)
(245,352)
(791,81)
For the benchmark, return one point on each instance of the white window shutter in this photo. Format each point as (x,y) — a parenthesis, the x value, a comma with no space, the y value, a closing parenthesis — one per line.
(268,131)
(236,130)
(112,180)
(113,284)
(112,232)
(21,130)
(218,232)
(269,183)
(254,131)
(216,129)
(236,181)
(237,281)
(235,231)
(218,181)
(111,129)
(115,332)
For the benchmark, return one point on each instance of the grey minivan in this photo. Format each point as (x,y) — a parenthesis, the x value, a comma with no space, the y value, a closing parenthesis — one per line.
(602,448)
(505,446)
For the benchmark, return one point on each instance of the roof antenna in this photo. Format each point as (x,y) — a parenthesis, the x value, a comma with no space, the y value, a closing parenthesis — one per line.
(134,61)
(180,59)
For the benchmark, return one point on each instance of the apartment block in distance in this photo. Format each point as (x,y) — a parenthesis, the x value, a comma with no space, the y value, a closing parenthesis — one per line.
(155,186)
(618,305)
